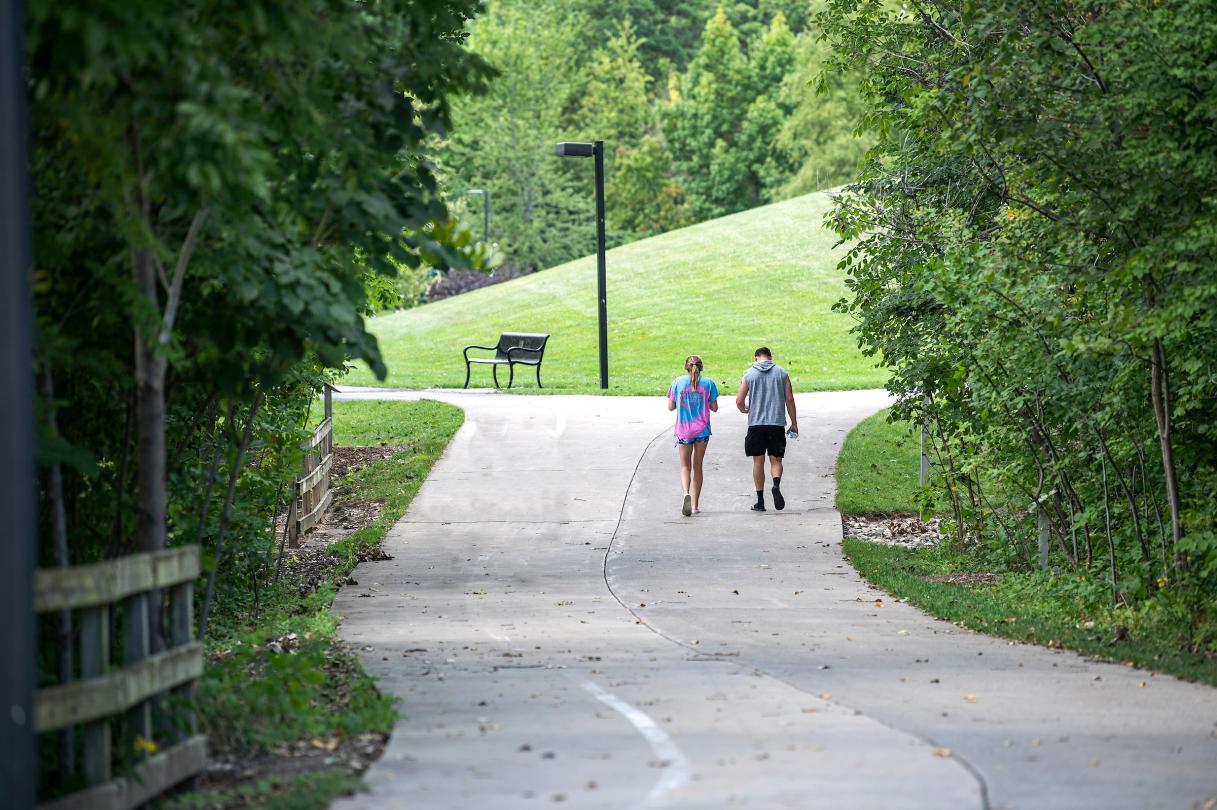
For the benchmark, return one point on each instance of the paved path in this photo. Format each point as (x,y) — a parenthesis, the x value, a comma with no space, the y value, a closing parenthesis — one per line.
(559,634)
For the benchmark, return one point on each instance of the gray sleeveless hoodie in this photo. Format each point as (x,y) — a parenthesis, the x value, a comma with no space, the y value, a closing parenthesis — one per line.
(766,394)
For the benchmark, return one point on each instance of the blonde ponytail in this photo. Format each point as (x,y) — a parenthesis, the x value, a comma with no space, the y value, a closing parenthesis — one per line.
(693,366)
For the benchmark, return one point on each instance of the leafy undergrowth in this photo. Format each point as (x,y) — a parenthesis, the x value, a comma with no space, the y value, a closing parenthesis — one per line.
(290,715)
(986,590)
(1057,610)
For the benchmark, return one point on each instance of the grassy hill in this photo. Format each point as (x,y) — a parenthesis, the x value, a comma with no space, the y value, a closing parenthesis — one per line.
(719,289)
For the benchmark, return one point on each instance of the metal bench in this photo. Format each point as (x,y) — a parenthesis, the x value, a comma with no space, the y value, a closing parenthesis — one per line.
(513,348)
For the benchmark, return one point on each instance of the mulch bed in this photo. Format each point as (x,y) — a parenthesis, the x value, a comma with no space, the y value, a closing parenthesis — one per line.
(899,529)
(964,578)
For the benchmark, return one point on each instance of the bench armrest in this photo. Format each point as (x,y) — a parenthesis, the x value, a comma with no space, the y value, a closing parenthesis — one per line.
(487,348)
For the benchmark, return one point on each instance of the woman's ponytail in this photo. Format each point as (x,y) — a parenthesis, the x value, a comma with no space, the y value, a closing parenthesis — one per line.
(693,366)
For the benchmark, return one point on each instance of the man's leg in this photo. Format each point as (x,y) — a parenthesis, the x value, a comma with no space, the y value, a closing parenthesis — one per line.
(758,479)
(775,464)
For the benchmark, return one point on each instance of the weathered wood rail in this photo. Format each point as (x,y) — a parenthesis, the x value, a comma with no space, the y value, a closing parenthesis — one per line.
(311,495)
(146,699)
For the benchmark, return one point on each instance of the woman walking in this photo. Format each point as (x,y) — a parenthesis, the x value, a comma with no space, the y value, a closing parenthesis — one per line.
(693,399)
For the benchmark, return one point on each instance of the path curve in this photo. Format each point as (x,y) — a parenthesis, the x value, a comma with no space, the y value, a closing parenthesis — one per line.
(580,642)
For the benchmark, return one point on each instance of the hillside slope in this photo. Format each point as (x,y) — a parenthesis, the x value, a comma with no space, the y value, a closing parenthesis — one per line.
(719,289)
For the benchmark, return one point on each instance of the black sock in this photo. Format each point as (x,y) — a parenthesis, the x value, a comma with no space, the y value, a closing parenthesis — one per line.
(777,482)
(760,497)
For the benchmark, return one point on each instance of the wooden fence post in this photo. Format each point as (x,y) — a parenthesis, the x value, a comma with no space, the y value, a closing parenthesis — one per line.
(94,662)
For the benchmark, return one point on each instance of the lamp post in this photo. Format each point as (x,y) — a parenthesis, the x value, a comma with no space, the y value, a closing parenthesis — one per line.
(596,150)
(485,212)
(19,765)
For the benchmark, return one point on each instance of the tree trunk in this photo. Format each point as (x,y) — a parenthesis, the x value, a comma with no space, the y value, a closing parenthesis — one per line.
(1160,396)
(233,475)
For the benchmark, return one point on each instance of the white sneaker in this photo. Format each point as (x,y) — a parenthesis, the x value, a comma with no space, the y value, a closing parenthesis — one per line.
(686,508)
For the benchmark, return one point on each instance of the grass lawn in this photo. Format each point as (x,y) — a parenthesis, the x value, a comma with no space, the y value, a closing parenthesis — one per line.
(719,289)
(878,466)
(251,699)
(877,472)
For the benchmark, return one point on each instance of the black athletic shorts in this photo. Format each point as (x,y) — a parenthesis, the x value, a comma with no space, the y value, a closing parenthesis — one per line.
(762,439)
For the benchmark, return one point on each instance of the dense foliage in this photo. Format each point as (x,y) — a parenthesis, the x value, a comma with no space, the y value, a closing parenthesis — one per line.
(1037,231)
(705,108)
(222,192)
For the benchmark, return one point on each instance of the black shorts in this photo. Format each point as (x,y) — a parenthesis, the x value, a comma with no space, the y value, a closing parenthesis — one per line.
(762,439)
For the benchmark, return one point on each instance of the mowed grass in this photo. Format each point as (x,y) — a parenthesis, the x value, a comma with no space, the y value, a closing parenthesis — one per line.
(878,467)
(719,289)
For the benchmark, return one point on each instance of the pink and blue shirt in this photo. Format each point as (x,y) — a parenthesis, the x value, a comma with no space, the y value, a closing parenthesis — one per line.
(692,406)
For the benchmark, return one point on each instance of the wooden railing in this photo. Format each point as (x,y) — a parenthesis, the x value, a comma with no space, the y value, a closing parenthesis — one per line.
(150,692)
(311,494)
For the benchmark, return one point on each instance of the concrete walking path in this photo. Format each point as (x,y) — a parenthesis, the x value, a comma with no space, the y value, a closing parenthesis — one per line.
(558,633)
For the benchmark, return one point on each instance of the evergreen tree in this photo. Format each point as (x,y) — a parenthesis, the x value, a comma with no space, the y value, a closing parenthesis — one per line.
(705,112)
(503,139)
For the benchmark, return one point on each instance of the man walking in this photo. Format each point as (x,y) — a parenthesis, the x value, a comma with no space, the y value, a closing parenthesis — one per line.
(764,393)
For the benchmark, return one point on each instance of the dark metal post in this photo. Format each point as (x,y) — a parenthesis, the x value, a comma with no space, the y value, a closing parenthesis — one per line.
(601,283)
(19,765)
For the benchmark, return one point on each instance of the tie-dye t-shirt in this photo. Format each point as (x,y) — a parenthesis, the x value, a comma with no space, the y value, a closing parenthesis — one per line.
(692,406)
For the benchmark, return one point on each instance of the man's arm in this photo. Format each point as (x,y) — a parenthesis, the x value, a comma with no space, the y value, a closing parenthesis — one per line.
(741,398)
(790,409)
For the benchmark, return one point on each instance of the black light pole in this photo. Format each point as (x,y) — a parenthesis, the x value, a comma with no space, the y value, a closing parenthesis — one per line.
(485,212)
(18,765)
(596,150)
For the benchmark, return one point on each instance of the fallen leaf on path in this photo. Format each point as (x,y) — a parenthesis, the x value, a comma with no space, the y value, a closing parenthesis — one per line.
(902,632)
(808,710)
(942,752)
(970,698)
(825,695)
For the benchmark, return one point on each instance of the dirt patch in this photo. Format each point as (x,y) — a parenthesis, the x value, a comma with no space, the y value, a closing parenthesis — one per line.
(892,529)
(964,578)
(352,459)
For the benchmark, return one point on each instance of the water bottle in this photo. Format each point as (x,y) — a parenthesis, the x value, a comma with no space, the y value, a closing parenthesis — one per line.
(792,434)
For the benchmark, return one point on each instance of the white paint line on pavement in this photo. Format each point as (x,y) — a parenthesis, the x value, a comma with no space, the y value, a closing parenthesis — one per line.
(676,774)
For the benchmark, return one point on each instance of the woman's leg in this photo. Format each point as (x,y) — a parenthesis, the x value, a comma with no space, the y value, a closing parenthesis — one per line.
(686,461)
(699,455)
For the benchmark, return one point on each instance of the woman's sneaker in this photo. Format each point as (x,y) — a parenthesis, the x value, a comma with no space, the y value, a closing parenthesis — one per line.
(686,508)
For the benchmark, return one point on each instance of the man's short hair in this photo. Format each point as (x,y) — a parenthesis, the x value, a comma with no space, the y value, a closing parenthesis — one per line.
(763,352)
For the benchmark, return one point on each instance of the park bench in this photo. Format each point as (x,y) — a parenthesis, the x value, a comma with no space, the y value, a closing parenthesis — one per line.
(513,348)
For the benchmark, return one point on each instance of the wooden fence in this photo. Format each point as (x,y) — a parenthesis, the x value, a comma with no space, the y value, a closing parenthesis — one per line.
(147,698)
(311,495)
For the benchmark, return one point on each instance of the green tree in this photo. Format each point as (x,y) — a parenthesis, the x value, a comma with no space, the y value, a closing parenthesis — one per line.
(213,188)
(704,112)
(642,196)
(503,139)
(1037,235)
(820,135)
(727,159)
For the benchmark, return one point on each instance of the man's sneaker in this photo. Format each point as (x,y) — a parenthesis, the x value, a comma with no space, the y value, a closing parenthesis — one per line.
(778,501)
(686,508)
(758,507)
